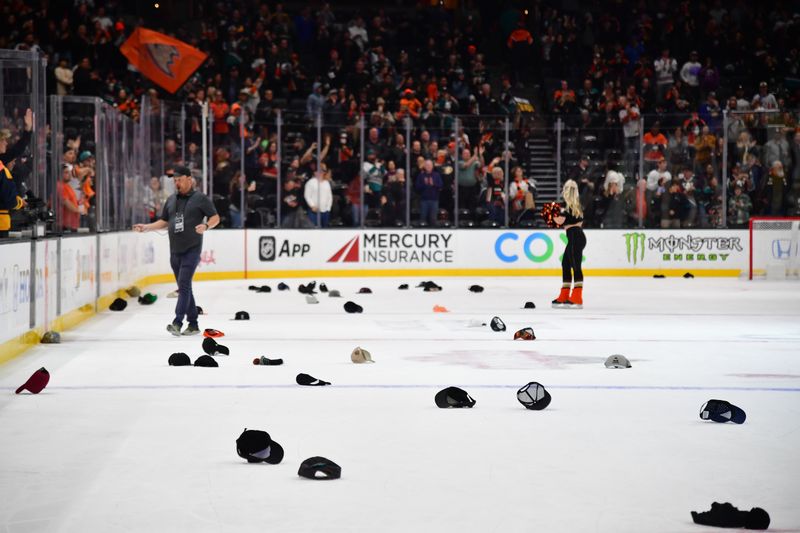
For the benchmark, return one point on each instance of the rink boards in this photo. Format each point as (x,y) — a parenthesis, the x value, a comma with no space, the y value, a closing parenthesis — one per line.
(52,284)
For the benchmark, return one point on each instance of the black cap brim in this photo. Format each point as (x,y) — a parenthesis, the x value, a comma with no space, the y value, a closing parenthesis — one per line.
(275,453)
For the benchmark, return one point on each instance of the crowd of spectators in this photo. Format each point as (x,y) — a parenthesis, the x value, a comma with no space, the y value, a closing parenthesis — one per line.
(642,134)
(642,96)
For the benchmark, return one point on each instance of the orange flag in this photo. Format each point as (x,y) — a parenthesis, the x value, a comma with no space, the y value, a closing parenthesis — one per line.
(164,60)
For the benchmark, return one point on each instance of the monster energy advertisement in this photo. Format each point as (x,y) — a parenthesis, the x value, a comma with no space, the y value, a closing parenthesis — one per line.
(684,248)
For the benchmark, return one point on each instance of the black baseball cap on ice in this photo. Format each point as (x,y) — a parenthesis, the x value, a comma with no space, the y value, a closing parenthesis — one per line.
(352,307)
(206,360)
(179,359)
(242,315)
(722,411)
(257,446)
(497,324)
(319,465)
(453,397)
(309,380)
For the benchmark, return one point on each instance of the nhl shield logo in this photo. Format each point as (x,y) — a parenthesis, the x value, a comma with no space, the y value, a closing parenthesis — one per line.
(266,248)
(164,56)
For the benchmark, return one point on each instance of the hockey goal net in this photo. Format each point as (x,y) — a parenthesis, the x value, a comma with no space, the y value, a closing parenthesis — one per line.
(774,247)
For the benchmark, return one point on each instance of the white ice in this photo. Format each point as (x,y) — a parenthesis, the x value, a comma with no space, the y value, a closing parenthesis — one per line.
(120,441)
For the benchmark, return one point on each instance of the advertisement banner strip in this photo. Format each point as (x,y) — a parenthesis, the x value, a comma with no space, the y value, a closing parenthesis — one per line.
(477,272)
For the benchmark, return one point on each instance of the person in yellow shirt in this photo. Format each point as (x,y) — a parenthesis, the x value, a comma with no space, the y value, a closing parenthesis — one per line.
(9,197)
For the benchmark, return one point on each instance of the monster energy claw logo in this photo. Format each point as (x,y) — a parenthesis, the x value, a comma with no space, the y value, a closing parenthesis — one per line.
(634,247)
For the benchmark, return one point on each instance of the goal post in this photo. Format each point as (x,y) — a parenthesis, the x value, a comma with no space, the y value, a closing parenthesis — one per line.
(774,248)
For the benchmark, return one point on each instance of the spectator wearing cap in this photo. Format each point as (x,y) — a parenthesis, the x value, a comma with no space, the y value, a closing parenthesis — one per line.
(764,99)
(429,184)
(739,207)
(742,103)
(187,215)
(9,196)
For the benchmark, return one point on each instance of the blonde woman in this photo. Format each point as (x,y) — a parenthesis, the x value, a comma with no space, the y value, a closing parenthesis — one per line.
(571,219)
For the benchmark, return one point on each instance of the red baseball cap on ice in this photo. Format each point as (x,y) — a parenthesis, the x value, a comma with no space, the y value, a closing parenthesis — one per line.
(37,382)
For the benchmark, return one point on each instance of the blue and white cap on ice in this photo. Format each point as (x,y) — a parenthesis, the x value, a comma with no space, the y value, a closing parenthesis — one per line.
(722,411)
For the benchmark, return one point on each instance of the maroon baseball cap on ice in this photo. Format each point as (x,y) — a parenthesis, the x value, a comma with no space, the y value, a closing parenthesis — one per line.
(37,382)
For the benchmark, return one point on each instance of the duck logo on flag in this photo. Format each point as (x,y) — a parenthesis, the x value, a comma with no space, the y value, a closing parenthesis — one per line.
(164,60)
(163,57)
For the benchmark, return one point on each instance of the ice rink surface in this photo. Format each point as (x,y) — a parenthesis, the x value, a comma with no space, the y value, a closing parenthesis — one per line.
(120,441)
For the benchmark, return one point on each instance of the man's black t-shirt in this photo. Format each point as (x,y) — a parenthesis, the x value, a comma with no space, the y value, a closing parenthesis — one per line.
(184,213)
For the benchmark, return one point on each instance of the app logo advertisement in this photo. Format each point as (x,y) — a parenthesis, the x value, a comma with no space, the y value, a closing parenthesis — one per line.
(271,248)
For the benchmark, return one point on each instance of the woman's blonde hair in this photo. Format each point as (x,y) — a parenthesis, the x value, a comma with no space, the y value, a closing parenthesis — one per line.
(572,198)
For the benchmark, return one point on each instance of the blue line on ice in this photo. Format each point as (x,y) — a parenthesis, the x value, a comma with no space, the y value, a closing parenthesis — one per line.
(429,386)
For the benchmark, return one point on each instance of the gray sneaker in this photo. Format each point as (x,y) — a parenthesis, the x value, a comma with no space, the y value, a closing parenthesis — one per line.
(175,329)
(190,330)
